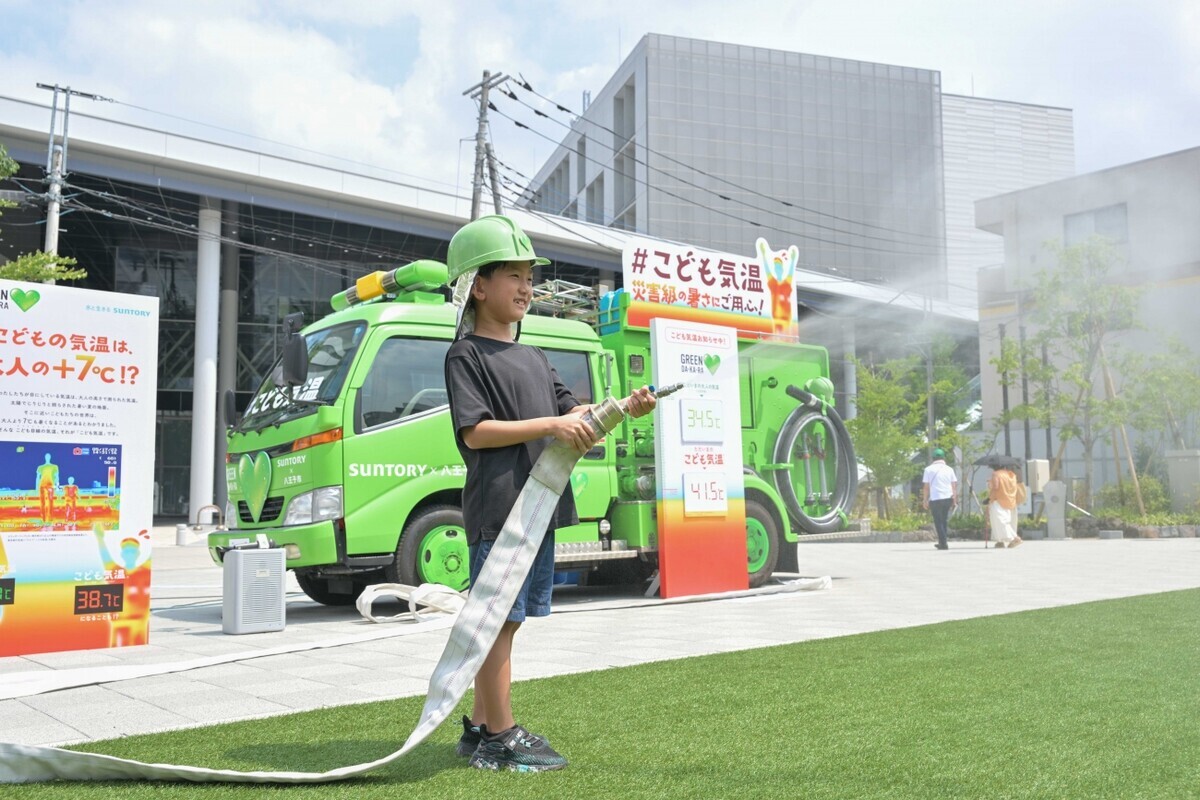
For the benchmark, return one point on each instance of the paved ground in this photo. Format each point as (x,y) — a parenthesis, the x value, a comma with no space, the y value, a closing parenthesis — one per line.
(875,587)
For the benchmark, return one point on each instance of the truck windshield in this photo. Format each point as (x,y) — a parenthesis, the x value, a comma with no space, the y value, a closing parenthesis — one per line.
(330,355)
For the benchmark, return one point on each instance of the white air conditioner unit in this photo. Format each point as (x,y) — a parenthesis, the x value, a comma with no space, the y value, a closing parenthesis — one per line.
(253,591)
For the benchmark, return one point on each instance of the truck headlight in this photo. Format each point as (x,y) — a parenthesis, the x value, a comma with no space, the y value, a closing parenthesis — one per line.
(319,504)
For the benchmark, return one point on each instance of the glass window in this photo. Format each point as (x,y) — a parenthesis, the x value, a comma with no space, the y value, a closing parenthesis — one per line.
(330,355)
(407,377)
(1110,222)
(572,369)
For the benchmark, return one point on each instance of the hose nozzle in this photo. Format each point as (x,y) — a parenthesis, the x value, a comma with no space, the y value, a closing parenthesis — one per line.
(666,390)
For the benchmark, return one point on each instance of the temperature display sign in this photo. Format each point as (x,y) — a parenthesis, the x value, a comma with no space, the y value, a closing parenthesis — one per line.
(701,421)
(704,494)
(102,598)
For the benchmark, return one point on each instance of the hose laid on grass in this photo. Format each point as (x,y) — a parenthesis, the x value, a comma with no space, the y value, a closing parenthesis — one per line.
(471,639)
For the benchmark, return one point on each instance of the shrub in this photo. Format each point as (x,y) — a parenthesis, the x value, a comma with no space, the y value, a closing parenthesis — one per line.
(1108,499)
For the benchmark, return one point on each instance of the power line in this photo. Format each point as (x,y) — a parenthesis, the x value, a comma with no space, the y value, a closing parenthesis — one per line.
(752,223)
(583,117)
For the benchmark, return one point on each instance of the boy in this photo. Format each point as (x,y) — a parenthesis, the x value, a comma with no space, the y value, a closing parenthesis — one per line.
(506,402)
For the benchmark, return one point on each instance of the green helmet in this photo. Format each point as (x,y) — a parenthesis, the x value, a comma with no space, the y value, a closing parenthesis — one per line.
(488,239)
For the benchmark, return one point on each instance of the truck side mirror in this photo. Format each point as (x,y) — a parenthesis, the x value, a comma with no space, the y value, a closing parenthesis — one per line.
(229,407)
(295,361)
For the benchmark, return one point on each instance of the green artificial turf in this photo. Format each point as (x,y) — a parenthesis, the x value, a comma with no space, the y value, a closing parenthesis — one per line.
(1087,701)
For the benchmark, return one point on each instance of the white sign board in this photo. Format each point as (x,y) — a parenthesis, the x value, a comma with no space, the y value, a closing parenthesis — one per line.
(78,386)
(698,447)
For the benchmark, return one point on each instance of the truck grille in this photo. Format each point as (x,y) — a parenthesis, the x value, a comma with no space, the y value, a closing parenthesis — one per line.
(270,512)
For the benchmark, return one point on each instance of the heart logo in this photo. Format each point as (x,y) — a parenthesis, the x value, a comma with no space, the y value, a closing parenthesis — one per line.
(25,300)
(254,476)
(712,362)
(579,482)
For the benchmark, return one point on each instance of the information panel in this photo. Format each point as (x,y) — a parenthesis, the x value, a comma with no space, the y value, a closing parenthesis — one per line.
(756,295)
(698,447)
(77,393)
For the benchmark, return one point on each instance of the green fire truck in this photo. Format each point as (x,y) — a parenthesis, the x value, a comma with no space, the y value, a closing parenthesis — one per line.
(346,459)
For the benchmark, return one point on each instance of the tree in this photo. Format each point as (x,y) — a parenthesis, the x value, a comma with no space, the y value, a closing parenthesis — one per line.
(887,427)
(1077,308)
(36,266)
(1162,393)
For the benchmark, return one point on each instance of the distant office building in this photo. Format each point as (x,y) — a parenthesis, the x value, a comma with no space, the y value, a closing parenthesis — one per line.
(842,158)
(1147,210)
(868,168)
(991,147)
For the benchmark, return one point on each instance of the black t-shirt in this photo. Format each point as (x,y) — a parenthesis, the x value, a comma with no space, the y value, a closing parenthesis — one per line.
(490,379)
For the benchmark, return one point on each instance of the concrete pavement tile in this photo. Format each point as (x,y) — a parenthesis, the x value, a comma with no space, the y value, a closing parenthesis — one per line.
(395,687)
(16,714)
(270,687)
(217,706)
(70,701)
(76,658)
(354,657)
(232,672)
(328,674)
(50,733)
(150,689)
(307,700)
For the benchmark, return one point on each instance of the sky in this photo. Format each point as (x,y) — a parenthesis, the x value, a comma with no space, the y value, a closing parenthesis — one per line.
(381,82)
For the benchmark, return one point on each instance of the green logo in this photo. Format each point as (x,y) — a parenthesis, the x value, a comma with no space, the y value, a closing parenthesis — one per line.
(712,362)
(254,476)
(579,482)
(25,300)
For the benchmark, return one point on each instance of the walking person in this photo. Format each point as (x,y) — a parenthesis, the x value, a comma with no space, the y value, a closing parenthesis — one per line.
(939,494)
(1005,493)
(507,404)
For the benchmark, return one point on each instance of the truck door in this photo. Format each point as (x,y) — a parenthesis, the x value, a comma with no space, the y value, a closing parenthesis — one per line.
(401,436)
(592,477)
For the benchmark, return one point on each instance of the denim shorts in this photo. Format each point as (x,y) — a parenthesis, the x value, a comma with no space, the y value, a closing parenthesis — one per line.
(534,598)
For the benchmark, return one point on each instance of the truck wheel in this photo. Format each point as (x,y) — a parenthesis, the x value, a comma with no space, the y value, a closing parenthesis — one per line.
(433,549)
(762,543)
(318,589)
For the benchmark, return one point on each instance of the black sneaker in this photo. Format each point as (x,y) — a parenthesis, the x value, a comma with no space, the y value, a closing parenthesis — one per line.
(469,740)
(517,750)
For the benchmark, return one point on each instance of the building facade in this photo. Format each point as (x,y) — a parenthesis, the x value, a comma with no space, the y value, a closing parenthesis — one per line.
(1147,210)
(716,144)
(992,147)
(868,168)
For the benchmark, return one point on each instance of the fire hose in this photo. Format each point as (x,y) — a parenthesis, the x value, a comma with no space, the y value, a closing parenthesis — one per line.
(474,632)
(841,499)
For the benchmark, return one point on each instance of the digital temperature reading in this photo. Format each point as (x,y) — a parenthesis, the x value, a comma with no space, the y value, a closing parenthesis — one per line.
(99,598)
(701,421)
(704,494)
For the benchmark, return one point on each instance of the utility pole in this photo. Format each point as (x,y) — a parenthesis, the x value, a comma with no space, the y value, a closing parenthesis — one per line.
(56,159)
(483,157)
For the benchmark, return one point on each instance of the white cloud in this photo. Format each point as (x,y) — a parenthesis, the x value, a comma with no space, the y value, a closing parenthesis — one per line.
(320,75)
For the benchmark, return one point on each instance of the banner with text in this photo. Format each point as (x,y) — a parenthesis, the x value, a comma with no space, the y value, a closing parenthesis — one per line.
(698,451)
(77,398)
(756,295)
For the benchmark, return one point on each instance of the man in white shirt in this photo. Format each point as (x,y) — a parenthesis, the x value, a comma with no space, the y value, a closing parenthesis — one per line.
(939,494)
